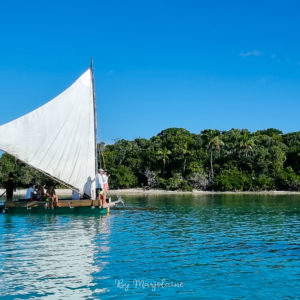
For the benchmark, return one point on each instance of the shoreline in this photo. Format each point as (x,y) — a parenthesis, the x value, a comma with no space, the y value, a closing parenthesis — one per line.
(140,191)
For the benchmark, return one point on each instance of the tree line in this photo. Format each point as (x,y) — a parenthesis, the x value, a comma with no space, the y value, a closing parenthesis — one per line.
(234,160)
(175,159)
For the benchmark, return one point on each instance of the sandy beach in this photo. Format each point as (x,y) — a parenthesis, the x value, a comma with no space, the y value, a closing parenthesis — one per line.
(140,191)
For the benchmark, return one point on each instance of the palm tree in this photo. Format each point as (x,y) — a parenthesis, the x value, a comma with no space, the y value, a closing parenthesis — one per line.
(215,143)
(247,143)
(163,155)
(185,152)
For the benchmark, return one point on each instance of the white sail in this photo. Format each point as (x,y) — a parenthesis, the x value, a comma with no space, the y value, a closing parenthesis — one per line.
(58,138)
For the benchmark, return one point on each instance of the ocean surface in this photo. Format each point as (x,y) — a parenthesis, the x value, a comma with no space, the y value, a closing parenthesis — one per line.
(188,247)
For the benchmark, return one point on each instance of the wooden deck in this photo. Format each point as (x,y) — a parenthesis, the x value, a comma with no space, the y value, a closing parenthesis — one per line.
(61,203)
(65,205)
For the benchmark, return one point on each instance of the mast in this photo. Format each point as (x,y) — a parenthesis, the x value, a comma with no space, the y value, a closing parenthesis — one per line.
(95,116)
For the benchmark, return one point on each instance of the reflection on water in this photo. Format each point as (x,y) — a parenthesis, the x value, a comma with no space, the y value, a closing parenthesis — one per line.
(51,255)
(216,247)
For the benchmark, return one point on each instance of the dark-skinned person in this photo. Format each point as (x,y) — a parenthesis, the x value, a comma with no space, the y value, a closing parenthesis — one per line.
(10,186)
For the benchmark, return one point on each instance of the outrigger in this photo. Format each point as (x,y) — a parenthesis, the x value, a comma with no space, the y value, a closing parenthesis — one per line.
(59,140)
(63,203)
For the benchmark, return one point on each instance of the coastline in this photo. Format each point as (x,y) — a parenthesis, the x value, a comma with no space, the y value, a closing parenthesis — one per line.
(140,191)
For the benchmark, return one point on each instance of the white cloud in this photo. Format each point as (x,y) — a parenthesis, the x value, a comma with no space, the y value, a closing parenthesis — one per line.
(251,53)
(110,72)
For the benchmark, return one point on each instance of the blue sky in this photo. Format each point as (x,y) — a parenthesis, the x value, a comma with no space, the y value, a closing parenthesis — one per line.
(158,64)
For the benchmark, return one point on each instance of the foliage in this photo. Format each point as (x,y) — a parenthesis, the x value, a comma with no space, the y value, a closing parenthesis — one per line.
(198,180)
(122,177)
(23,174)
(263,183)
(232,180)
(150,179)
(176,159)
(287,179)
(174,182)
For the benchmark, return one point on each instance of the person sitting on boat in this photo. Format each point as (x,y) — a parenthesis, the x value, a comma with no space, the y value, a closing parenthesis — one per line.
(40,192)
(48,200)
(10,186)
(75,194)
(43,191)
(51,194)
(30,193)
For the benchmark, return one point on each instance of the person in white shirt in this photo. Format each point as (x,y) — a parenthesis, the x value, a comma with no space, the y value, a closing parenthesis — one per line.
(30,192)
(75,194)
(99,186)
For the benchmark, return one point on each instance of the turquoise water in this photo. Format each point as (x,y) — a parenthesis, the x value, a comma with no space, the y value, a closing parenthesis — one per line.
(205,247)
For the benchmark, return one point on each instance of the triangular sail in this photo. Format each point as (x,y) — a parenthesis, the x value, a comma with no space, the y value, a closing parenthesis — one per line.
(58,138)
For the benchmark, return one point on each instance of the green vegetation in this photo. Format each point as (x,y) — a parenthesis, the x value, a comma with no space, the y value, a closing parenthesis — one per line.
(24,174)
(234,160)
(175,159)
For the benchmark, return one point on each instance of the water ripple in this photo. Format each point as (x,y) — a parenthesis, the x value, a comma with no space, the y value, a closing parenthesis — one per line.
(209,247)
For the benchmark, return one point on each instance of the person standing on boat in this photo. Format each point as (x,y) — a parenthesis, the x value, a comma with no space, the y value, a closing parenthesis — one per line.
(105,186)
(10,186)
(105,181)
(99,186)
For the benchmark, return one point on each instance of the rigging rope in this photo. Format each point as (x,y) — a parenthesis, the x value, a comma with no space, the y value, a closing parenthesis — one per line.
(101,151)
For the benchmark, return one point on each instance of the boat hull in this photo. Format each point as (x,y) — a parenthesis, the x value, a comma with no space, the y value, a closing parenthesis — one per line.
(65,205)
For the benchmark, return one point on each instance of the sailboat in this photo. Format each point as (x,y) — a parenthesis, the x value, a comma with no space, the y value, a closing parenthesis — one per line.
(59,140)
